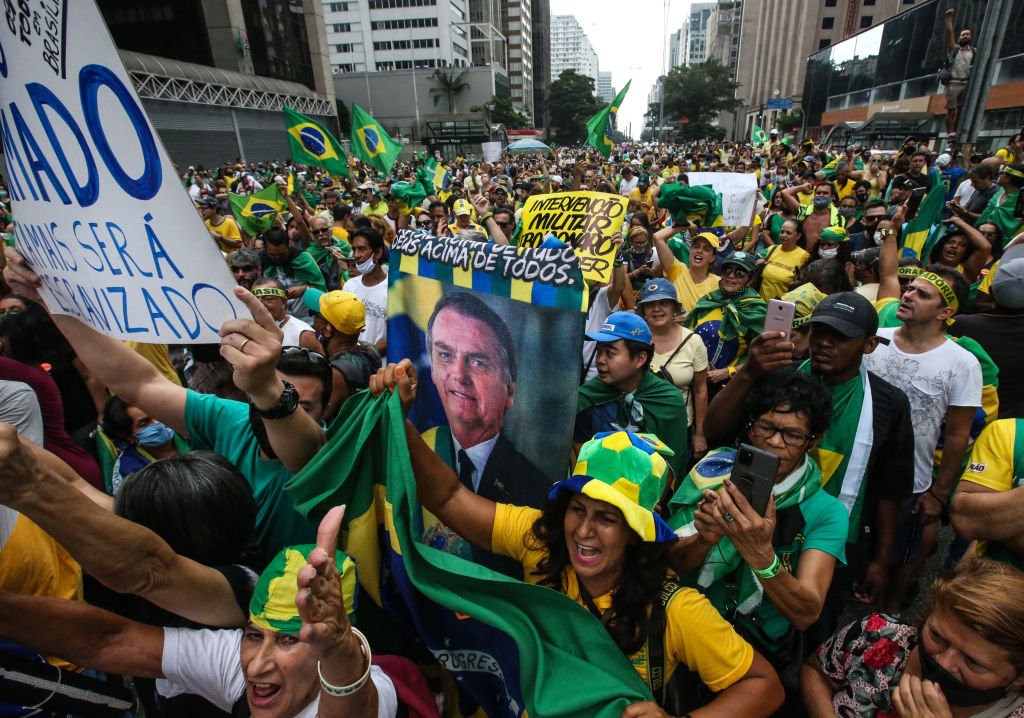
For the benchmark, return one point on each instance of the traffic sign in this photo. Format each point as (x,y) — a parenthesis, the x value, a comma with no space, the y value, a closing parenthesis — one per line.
(780,104)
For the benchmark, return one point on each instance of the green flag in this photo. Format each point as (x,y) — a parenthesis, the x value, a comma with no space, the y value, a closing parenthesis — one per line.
(311,144)
(371,143)
(256,212)
(534,641)
(920,233)
(599,124)
(757,136)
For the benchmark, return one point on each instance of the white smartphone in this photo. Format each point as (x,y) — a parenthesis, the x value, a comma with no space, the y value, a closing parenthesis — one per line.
(780,317)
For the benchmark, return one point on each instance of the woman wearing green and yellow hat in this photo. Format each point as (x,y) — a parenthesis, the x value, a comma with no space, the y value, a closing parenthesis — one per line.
(600,541)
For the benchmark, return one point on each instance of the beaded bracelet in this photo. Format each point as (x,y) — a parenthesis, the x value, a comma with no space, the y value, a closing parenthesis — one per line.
(348,690)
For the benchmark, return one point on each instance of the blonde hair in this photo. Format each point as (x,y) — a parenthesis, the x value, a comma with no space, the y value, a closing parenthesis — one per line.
(985,596)
(636,231)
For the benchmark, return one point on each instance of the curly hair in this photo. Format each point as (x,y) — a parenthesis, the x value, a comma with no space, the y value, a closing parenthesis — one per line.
(645,565)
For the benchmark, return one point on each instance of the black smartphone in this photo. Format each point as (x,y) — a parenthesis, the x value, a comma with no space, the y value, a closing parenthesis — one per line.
(754,472)
(916,195)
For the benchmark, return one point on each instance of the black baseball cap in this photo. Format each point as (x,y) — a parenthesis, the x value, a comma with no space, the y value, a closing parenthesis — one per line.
(849,313)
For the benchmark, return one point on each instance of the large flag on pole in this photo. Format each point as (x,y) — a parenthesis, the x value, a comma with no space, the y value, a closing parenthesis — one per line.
(921,233)
(757,136)
(599,124)
(371,143)
(311,144)
(255,213)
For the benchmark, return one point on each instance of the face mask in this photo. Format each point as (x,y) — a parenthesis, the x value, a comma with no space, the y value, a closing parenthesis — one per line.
(957,692)
(366,267)
(847,212)
(828,253)
(879,239)
(821,202)
(156,434)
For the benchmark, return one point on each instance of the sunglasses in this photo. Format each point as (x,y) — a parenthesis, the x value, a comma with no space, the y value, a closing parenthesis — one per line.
(324,230)
(732,270)
(314,357)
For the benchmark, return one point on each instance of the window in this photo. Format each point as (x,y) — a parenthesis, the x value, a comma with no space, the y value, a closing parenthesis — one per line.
(421,44)
(337,6)
(824,42)
(384,4)
(869,3)
(830,3)
(343,47)
(349,67)
(866,21)
(341,27)
(402,24)
(908,2)
(827,23)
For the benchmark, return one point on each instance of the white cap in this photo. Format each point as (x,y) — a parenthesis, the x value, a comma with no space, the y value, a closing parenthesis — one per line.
(556,178)
(773,131)
(943,160)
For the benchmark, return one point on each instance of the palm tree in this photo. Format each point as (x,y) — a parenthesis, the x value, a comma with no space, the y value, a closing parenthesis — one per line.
(448,85)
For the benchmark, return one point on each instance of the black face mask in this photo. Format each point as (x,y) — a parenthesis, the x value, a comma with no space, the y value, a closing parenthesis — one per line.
(957,692)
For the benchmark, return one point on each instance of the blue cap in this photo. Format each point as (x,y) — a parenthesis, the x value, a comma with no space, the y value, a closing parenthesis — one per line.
(657,289)
(623,325)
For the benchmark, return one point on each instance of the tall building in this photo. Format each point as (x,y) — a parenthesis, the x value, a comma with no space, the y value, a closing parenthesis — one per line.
(540,13)
(677,47)
(517,26)
(605,90)
(571,48)
(769,71)
(382,35)
(213,75)
(696,49)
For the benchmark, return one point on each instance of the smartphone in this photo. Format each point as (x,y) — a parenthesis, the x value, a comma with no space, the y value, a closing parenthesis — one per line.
(779,317)
(916,195)
(754,472)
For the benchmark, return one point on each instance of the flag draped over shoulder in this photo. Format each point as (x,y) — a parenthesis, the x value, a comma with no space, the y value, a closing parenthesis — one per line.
(513,646)
(921,233)
(599,124)
(371,143)
(311,144)
(255,213)
(757,136)
(830,168)
(701,204)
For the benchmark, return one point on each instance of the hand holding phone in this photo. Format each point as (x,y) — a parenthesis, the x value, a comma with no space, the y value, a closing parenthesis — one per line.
(779,317)
(753,473)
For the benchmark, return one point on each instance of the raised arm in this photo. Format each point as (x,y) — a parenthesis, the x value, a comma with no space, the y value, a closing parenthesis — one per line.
(122,555)
(950,33)
(889,259)
(437,486)
(661,237)
(789,196)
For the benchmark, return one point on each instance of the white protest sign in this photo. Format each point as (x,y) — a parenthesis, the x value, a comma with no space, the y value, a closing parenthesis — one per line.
(491,151)
(738,190)
(99,211)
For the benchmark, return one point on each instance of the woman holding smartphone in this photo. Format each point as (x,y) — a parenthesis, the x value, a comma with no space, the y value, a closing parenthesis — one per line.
(769,574)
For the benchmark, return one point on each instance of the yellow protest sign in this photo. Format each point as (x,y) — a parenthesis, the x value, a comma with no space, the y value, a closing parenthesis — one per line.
(588,222)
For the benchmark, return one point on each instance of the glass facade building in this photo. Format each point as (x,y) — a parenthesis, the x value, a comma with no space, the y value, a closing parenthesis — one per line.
(894,67)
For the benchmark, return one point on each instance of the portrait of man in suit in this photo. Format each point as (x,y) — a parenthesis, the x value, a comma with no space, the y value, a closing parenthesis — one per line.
(473,368)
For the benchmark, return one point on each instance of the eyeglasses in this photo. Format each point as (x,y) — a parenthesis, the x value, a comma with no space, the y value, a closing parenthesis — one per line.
(792,437)
(323,230)
(314,357)
(11,312)
(731,270)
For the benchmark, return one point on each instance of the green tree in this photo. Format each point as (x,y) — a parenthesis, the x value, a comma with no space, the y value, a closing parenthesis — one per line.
(501,111)
(572,103)
(788,121)
(699,93)
(449,85)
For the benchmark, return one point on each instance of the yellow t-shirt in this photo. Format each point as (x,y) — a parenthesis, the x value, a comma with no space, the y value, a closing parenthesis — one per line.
(648,199)
(340,233)
(753,233)
(695,634)
(379,211)
(688,291)
(779,270)
(157,355)
(228,229)
(992,465)
(846,190)
(1006,155)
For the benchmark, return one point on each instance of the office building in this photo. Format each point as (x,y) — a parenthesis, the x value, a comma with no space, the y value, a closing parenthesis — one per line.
(517,26)
(677,47)
(696,48)
(571,48)
(540,14)
(605,90)
(213,76)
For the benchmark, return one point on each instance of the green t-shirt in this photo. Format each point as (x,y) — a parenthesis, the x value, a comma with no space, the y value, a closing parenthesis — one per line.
(222,426)
(818,522)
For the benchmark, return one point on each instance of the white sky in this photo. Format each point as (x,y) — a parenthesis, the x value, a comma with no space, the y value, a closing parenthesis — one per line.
(629,37)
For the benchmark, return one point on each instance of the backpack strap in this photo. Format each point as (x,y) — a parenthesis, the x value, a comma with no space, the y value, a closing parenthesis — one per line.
(681,345)
(656,640)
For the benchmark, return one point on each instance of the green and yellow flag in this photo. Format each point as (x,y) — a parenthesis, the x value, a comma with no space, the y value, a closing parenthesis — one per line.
(599,124)
(921,233)
(758,136)
(371,143)
(311,144)
(255,213)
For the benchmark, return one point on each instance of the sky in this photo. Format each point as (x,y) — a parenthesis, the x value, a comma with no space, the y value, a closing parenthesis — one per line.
(625,34)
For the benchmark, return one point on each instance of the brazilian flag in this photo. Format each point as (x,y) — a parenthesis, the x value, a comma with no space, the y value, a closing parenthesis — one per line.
(921,233)
(311,144)
(256,212)
(757,136)
(371,143)
(599,124)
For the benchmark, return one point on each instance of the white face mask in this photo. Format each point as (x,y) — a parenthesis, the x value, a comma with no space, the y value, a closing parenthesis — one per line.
(828,253)
(879,239)
(367,266)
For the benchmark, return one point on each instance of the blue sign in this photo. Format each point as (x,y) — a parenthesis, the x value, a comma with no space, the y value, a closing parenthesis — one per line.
(780,104)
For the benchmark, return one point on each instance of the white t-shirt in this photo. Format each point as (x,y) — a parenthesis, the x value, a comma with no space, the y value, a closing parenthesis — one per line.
(628,185)
(964,191)
(293,329)
(599,311)
(206,663)
(945,376)
(376,300)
